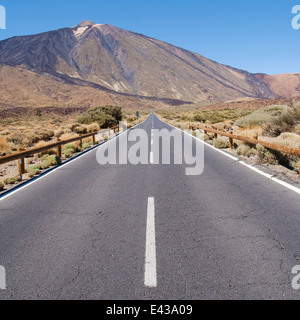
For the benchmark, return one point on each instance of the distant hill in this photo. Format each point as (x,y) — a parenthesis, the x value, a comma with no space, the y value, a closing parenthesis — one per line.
(285,85)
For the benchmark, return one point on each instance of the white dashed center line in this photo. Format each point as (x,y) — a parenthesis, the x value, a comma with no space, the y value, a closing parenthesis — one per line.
(150,259)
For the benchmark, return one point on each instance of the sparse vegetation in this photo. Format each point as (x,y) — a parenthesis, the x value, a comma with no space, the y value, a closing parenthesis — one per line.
(68,150)
(274,120)
(220,143)
(263,116)
(10,181)
(5,147)
(50,161)
(1,186)
(246,151)
(265,156)
(77,128)
(33,170)
(86,145)
(93,127)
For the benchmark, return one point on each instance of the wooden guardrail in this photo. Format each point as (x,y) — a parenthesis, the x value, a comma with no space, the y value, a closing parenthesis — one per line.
(22,154)
(254,140)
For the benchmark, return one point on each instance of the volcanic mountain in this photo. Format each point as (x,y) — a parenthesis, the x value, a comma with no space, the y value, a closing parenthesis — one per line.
(127,64)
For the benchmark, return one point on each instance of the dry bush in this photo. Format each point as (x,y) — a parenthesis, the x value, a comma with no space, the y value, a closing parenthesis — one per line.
(67,136)
(249,133)
(44,134)
(220,143)
(76,146)
(265,156)
(78,128)
(5,133)
(93,127)
(271,114)
(43,144)
(16,138)
(58,133)
(5,147)
(246,150)
(287,139)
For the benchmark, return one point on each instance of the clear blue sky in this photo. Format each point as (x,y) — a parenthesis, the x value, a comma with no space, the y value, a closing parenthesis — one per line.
(252,35)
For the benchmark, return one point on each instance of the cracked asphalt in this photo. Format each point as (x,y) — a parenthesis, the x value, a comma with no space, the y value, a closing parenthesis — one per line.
(80,232)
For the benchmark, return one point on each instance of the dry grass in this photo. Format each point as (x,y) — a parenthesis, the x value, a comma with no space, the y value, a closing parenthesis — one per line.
(5,146)
(287,139)
(67,136)
(93,127)
(43,144)
(245,150)
(249,133)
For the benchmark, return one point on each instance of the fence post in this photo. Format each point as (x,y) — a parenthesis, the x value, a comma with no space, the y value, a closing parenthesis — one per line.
(231,140)
(58,152)
(21,165)
(94,139)
(80,141)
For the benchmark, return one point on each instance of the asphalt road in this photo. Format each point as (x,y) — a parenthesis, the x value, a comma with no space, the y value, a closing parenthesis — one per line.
(87,231)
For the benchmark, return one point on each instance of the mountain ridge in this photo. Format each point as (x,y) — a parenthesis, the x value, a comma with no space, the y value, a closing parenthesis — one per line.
(119,61)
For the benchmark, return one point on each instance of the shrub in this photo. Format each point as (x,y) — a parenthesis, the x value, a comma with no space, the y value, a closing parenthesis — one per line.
(58,133)
(10,180)
(93,127)
(15,138)
(105,116)
(33,170)
(198,118)
(77,128)
(273,114)
(68,146)
(68,151)
(246,150)
(1,186)
(271,130)
(265,156)
(74,147)
(5,147)
(44,134)
(86,145)
(220,143)
(131,119)
(50,161)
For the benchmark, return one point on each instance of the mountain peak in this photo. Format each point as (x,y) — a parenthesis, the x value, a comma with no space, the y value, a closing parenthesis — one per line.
(83,24)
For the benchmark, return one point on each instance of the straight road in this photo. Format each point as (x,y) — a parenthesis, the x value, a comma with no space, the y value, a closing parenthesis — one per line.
(87,231)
